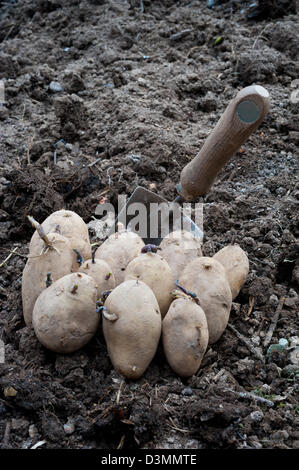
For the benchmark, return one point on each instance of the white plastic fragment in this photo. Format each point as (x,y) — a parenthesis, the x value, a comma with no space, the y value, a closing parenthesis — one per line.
(38,444)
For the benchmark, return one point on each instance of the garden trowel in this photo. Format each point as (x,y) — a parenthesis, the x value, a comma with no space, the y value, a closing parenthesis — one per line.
(157,217)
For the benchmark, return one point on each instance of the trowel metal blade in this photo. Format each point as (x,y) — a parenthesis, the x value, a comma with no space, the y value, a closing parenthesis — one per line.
(166,223)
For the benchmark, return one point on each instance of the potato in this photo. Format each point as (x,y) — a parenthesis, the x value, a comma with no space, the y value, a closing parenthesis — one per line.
(70,225)
(207,279)
(64,316)
(118,250)
(179,248)
(132,327)
(57,261)
(185,335)
(152,269)
(236,265)
(101,272)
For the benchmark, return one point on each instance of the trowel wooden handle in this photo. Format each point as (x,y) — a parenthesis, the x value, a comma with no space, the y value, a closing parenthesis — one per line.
(242,116)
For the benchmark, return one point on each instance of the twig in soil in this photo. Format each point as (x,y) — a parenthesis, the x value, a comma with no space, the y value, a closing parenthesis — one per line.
(173,426)
(55,147)
(8,257)
(251,304)
(119,392)
(121,442)
(254,352)
(120,176)
(193,49)
(259,35)
(180,35)
(95,162)
(274,322)
(20,254)
(29,147)
(6,433)
(252,396)
(8,33)
(141,6)
(109,177)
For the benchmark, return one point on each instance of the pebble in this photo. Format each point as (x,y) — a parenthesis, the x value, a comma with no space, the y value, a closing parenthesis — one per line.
(265,388)
(69,147)
(280,435)
(3,113)
(187,392)
(273,300)
(69,427)
(55,87)
(32,431)
(256,340)
(294,356)
(294,341)
(256,416)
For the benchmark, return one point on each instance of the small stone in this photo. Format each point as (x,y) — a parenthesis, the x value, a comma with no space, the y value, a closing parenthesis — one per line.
(3,113)
(192,444)
(273,300)
(294,341)
(10,392)
(32,431)
(69,427)
(283,342)
(265,388)
(249,241)
(256,416)
(279,348)
(294,356)
(187,391)
(256,340)
(236,308)
(256,445)
(280,435)
(142,82)
(55,87)
(290,302)
(69,147)
(20,425)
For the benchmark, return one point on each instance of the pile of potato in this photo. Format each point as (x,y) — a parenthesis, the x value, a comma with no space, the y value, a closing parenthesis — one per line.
(142,292)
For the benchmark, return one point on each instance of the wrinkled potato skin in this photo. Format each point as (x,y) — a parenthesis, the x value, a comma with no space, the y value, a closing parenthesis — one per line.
(71,226)
(64,321)
(132,339)
(185,336)
(152,269)
(99,271)
(179,248)
(35,272)
(236,265)
(207,279)
(118,250)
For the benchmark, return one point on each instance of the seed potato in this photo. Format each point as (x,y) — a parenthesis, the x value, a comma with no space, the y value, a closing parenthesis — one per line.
(207,279)
(118,250)
(152,269)
(101,272)
(56,260)
(179,248)
(132,327)
(70,225)
(236,265)
(64,316)
(185,336)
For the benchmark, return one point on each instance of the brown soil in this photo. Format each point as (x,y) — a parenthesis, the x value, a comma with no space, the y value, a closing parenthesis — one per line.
(131,87)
